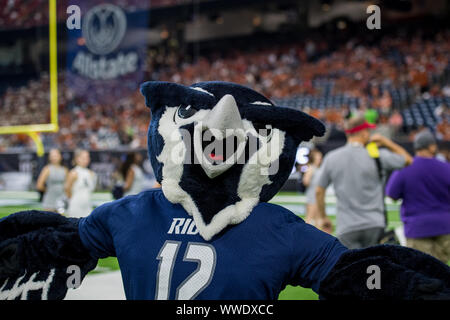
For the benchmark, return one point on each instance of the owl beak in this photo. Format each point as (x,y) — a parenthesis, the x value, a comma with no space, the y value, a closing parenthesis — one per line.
(220,140)
(225,115)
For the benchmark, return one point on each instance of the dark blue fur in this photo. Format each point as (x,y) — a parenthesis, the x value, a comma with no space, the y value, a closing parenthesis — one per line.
(36,242)
(286,162)
(155,144)
(297,125)
(406,274)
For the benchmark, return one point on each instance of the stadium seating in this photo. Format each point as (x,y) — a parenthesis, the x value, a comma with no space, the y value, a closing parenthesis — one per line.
(394,78)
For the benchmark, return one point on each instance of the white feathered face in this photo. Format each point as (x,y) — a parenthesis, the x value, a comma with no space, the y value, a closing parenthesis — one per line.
(214,153)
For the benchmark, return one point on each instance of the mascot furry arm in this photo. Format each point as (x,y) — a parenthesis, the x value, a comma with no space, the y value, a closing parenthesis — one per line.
(37,248)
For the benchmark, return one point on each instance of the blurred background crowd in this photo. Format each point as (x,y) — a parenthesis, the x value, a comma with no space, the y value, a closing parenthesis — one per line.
(397,77)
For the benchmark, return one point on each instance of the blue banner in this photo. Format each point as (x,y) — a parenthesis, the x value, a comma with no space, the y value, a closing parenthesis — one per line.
(106,54)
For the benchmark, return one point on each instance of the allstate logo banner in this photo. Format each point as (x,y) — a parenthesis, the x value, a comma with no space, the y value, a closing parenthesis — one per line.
(104,27)
(106,55)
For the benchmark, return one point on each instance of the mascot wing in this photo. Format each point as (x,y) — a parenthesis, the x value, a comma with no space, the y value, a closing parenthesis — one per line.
(387,272)
(40,253)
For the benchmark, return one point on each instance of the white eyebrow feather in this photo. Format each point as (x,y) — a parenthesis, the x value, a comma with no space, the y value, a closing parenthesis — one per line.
(262,103)
(202,90)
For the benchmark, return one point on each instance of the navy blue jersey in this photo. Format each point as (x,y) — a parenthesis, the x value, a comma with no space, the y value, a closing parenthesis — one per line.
(162,256)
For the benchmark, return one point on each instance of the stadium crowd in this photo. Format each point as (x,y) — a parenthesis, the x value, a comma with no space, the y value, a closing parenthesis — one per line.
(25,14)
(367,76)
(370,75)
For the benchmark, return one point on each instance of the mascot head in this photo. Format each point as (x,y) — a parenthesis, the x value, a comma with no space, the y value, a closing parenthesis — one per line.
(219,148)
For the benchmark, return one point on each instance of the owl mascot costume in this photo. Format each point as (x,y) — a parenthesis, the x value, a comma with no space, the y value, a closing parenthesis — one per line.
(220,151)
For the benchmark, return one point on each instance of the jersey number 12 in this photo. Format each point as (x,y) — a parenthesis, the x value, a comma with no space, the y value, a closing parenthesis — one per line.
(201,253)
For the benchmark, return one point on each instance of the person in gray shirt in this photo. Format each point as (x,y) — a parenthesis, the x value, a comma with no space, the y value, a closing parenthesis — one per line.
(51,181)
(360,220)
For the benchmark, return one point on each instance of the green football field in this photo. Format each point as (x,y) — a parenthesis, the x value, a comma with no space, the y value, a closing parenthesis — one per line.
(289,293)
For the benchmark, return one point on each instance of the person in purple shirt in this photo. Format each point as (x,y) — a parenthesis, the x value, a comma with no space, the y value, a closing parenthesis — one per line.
(424,187)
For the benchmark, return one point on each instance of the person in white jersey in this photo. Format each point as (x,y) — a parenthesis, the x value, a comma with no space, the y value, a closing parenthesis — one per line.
(132,174)
(79,186)
(310,180)
(51,181)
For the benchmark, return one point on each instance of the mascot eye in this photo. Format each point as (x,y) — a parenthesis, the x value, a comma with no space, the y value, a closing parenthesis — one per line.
(264,130)
(185,112)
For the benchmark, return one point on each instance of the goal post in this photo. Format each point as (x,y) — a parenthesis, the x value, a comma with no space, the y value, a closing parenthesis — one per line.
(33,129)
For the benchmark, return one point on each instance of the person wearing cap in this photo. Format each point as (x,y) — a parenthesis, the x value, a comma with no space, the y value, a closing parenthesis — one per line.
(360,220)
(424,188)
